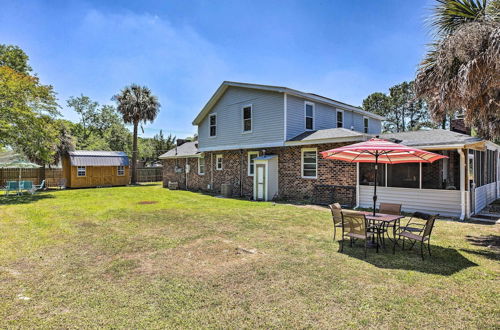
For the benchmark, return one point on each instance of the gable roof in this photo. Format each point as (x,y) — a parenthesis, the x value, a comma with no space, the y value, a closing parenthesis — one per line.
(433,137)
(98,158)
(187,149)
(280,89)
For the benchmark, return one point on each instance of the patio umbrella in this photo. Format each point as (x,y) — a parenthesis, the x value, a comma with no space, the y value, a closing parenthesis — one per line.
(380,151)
(11,159)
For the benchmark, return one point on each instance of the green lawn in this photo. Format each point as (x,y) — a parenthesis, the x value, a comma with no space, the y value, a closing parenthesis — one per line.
(108,258)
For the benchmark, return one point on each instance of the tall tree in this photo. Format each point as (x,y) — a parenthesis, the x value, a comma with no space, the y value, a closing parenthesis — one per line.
(403,111)
(138,105)
(461,71)
(15,58)
(86,109)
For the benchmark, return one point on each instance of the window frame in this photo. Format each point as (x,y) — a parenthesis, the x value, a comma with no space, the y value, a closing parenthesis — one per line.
(366,124)
(199,165)
(249,162)
(337,118)
(217,157)
(214,114)
(118,170)
(306,103)
(302,151)
(78,171)
(243,118)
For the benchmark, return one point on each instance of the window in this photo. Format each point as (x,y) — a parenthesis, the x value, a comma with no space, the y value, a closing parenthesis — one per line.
(403,175)
(201,166)
(81,171)
(309,163)
(365,124)
(213,124)
(367,174)
(120,170)
(251,166)
(309,115)
(340,118)
(247,119)
(218,162)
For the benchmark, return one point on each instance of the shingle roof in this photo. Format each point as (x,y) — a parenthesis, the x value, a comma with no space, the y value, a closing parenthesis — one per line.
(187,149)
(98,158)
(432,137)
(330,133)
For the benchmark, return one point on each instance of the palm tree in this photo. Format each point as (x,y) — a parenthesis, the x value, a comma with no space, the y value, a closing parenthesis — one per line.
(138,106)
(461,71)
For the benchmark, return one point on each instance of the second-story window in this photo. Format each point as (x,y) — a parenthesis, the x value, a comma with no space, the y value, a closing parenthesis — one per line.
(365,124)
(309,115)
(340,118)
(213,124)
(247,118)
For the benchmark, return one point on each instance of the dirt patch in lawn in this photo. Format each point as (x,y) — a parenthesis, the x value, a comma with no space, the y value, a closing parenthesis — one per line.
(202,258)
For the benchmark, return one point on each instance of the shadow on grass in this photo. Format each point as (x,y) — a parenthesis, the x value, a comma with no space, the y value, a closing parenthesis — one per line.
(492,242)
(22,199)
(444,261)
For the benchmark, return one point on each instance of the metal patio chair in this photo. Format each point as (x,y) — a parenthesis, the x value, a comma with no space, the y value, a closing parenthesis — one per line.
(389,208)
(422,237)
(336,210)
(355,226)
(11,186)
(417,222)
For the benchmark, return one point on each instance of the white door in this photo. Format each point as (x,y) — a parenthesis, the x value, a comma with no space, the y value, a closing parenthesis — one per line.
(261,181)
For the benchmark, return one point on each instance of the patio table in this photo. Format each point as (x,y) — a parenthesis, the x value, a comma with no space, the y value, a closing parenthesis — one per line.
(381,219)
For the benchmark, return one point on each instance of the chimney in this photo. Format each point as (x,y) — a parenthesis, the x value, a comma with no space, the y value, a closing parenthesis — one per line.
(180,142)
(458,125)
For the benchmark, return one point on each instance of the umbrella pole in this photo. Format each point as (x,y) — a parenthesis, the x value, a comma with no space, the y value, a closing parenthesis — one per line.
(376,180)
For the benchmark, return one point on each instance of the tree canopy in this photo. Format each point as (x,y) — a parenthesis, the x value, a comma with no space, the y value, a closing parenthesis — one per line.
(461,71)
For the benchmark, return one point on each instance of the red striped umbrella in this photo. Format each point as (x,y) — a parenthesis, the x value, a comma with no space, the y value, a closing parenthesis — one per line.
(380,151)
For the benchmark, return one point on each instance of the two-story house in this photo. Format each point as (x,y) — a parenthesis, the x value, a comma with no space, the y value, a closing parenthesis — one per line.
(243,122)
(263,142)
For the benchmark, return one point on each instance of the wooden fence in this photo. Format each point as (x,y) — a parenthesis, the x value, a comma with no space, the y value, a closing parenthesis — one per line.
(52,175)
(150,174)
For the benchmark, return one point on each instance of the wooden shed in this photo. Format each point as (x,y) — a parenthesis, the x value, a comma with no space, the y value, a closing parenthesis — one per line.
(84,168)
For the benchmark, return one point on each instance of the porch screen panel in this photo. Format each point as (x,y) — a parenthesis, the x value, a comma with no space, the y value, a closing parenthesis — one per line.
(367,174)
(403,175)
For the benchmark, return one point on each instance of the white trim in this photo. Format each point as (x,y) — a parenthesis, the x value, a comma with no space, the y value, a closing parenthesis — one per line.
(462,184)
(84,171)
(249,153)
(302,163)
(243,119)
(118,170)
(314,98)
(306,103)
(285,105)
(183,156)
(204,166)
(367,127)
(245,146)
(217,157)
(357,185)
(210,126)
(337,118)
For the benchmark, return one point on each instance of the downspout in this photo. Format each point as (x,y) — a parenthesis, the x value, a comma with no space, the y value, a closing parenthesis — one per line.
(462,184)
(241,172)
(211,171)
(186,171)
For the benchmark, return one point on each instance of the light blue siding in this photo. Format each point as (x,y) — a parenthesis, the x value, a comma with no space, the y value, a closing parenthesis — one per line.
(325,116)
(267,119)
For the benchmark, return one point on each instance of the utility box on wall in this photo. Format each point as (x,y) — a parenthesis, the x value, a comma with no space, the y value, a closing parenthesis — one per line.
(265,179)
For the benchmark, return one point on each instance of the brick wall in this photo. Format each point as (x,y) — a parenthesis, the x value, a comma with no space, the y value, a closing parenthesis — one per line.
(235,169)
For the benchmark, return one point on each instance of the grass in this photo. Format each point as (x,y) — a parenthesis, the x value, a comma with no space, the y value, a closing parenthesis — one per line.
(145,256)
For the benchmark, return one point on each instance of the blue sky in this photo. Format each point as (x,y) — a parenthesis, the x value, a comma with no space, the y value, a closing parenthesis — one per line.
(183,50)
